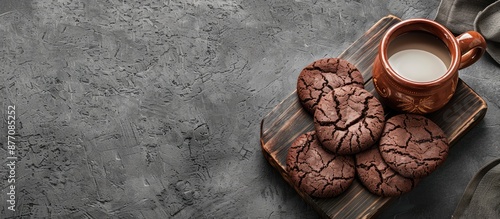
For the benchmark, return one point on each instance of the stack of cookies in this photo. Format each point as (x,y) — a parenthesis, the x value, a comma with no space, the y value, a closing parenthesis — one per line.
(352,138)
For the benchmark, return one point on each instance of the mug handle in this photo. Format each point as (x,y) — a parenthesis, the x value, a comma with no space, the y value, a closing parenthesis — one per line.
(472,45)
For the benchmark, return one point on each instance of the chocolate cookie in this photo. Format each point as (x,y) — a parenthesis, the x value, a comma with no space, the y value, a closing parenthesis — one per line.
(348,120)
(378,177)
(413,145)
(316,171)
(322,76)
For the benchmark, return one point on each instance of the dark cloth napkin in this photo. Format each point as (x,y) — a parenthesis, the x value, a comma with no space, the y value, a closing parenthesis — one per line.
(482,16)
(481,198)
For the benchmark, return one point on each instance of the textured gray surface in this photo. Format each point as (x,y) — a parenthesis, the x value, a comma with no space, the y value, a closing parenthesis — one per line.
(151,109)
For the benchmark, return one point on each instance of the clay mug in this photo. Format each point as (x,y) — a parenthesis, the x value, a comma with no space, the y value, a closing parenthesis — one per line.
(416,68)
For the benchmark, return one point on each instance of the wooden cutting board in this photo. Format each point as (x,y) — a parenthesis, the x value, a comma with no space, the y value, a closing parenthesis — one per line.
(288,120)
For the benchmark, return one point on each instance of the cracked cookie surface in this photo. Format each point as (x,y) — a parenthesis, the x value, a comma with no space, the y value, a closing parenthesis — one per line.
(348,120)
(413,145)
(322,76)
(378,177)
(317,172)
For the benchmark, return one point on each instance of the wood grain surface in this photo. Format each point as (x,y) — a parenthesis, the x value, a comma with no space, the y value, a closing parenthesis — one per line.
(288,120)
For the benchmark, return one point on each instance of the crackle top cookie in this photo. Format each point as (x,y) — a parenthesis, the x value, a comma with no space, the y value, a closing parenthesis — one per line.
(413,145)
(322,76)
(316,171)
(378,177)
(348,120)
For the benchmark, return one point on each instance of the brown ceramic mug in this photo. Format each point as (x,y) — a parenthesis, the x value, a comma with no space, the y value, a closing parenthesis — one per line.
(416,68)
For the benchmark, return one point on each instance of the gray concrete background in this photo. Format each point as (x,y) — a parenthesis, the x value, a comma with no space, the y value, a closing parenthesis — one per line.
(151,109)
